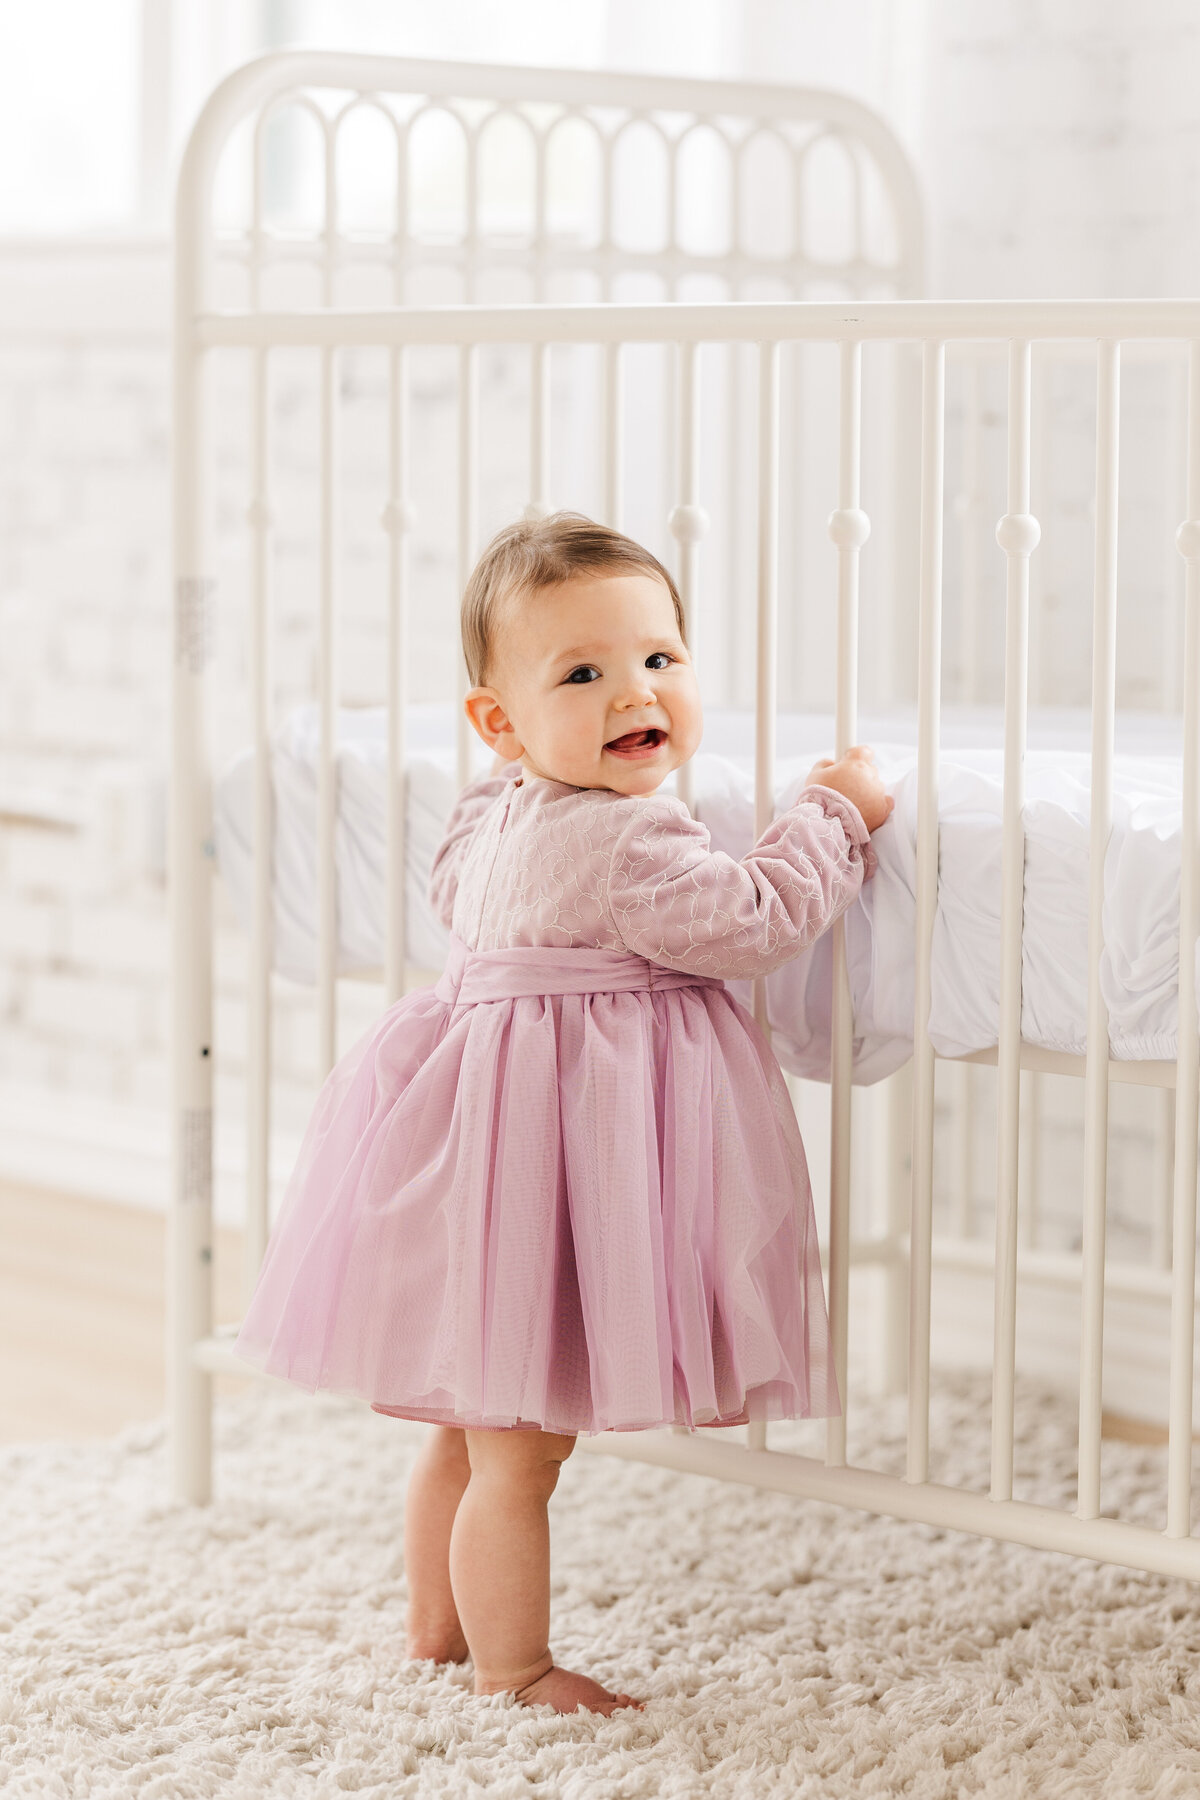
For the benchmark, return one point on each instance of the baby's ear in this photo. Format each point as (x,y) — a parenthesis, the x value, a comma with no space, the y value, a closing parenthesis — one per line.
(491,722)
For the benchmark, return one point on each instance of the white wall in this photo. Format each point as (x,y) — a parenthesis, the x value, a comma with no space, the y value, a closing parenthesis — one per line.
(1060,144)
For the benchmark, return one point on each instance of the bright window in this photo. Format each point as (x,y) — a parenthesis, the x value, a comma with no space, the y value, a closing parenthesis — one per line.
(69,114)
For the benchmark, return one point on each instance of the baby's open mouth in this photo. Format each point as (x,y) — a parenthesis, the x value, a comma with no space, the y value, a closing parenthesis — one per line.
(648,739)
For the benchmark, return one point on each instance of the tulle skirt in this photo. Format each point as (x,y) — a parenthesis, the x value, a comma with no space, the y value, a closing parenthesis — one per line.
(563,1189)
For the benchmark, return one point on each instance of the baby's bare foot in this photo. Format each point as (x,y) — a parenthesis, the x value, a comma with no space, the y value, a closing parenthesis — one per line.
(565,1692)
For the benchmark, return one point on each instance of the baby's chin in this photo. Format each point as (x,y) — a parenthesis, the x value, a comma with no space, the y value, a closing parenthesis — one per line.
(636,777)
(619,781)
(621,774)
(649,785)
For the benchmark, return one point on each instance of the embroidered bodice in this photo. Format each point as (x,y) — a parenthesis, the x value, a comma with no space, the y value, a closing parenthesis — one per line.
(530,860)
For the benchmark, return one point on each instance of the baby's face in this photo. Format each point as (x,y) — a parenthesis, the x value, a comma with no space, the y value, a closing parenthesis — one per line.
(593,685)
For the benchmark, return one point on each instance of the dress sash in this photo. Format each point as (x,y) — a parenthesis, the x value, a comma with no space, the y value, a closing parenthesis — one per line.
(471,976)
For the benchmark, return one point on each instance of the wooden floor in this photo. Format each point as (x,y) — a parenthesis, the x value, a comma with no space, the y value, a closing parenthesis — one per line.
(82,1317)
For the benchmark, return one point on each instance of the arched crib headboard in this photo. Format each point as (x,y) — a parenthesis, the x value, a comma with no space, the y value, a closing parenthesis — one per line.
(767,191)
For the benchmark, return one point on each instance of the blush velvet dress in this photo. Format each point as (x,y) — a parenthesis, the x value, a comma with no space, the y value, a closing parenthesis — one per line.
(565,1188)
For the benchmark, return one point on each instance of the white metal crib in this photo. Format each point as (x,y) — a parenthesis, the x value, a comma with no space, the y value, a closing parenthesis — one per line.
(705,337)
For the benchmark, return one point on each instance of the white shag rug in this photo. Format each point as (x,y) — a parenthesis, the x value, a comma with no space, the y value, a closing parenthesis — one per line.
(256,1647)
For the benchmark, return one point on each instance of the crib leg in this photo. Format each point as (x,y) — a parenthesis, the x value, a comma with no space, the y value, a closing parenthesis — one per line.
(892,1341)
(189,1319)
(188,1273)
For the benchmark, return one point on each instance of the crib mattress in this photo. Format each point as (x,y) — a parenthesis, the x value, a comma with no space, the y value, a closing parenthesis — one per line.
(1141,911)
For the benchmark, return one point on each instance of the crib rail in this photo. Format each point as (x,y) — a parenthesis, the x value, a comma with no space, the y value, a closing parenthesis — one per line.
(742,321)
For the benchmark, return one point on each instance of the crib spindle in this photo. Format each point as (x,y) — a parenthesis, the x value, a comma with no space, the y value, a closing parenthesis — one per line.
(1163,1177)
(737,534)
(965,1123)
(468,490)
(1041,476)
(1033,1081)
(688,521)
(1095,1097)
(849,528)
(970,508)
(929,675)
(1017,535)
(327,688)
(613,419)
(794,626)
(539,433)
(768,611)
(1176,504)
(1032,1095)
(258,999)
(397,522)
(327,671)
(258,995)
(1183,1258)
(766,689)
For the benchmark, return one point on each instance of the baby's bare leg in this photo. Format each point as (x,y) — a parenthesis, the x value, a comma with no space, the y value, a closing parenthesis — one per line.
(500,1569)
(435,1487)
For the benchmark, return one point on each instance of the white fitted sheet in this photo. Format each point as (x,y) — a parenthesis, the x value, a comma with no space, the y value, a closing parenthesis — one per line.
(1141,917)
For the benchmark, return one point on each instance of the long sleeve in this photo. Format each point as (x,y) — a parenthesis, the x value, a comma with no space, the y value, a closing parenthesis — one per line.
(678,902)
(471,803)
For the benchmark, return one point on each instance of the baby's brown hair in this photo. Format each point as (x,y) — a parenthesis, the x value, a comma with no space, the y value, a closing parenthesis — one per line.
(539,553)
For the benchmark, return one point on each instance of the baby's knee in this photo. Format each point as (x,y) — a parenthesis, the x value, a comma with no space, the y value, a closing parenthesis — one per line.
(531,1459)
(447,1445)
(554,1459)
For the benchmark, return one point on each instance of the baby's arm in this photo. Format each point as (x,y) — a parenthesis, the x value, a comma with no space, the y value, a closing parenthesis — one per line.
(678,902)
(469,807)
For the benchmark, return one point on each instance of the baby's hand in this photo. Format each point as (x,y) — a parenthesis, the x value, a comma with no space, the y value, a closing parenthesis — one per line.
(856,776)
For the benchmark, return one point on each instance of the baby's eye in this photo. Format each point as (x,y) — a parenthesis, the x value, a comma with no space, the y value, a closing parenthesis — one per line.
(585,669)
(663,653)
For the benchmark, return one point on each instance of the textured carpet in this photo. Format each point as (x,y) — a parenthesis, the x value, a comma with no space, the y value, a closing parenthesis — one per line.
(256,1647)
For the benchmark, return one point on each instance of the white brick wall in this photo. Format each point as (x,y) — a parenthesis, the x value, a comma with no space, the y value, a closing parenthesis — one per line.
(1060,147)
(83,484)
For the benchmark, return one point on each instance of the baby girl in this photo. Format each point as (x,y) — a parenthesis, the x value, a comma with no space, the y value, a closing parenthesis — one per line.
(564,1190)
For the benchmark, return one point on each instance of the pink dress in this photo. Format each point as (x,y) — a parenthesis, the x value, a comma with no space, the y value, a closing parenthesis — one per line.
(565,1187)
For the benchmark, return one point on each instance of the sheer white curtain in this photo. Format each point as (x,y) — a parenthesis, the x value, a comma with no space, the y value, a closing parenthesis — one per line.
(68,115)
